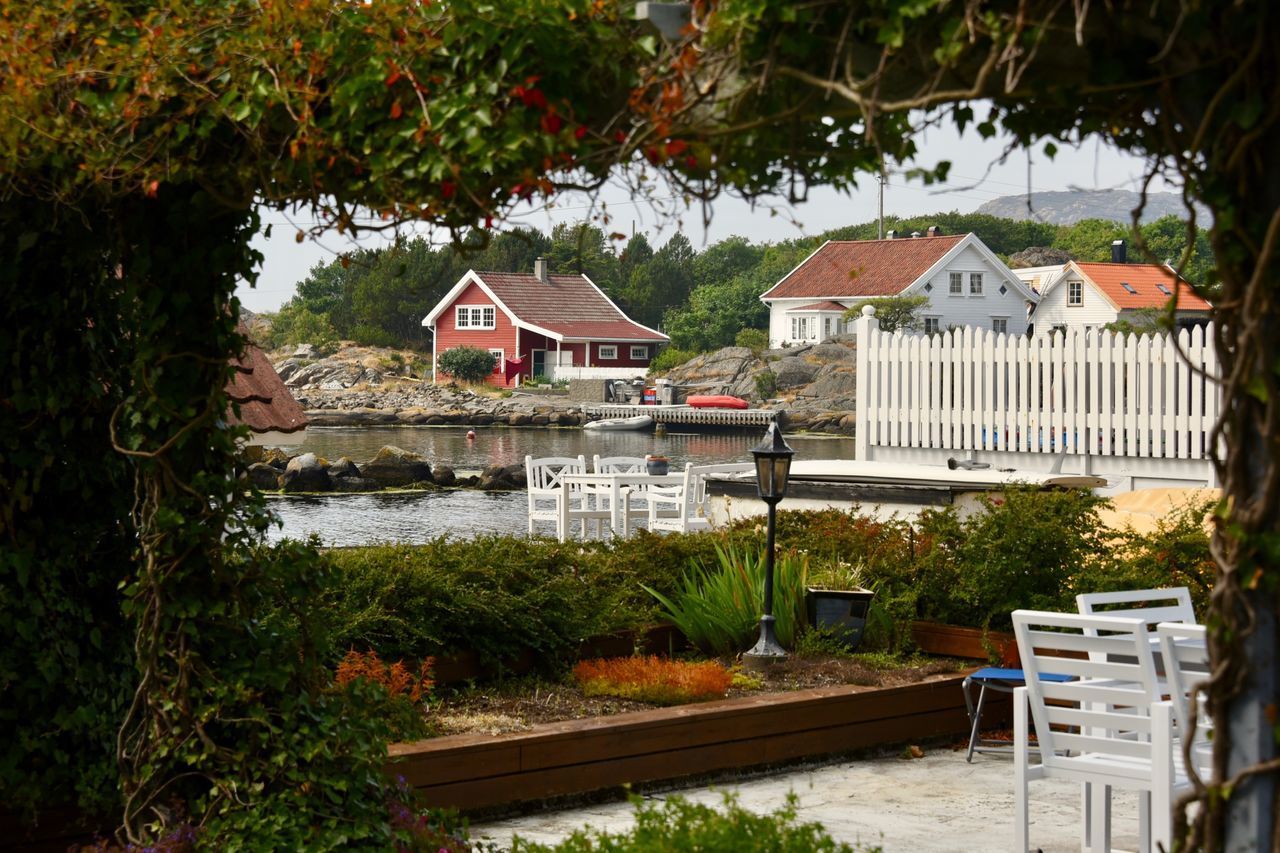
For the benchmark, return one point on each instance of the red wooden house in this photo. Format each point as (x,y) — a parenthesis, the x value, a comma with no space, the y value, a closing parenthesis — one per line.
(553,326)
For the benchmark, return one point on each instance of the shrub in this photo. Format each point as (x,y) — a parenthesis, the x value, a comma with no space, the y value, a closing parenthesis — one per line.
(467,364)
(500,595)
(403,692)
(373,336)
(766,384)
(669,358)
(661,681)
(718,608)
(756,340)
(674,823)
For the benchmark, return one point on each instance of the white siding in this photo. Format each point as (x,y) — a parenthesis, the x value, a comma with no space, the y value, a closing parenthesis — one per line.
(1095,312)
(780,321)
(966,309)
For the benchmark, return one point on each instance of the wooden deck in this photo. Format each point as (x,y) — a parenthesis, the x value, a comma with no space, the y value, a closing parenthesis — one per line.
(686,415)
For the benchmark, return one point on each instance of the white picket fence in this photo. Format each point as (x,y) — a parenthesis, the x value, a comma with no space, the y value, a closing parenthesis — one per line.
(1082,394)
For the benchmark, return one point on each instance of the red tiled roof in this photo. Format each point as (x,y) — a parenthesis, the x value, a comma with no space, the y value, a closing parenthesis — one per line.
(265,403)
(565,304)
(1110,279)
(853,268)
(828,305)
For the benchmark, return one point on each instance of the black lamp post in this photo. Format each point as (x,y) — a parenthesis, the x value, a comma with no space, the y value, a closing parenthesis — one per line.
(773,468)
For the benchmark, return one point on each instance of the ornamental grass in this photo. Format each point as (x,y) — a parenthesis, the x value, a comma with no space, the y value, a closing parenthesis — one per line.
(660,681)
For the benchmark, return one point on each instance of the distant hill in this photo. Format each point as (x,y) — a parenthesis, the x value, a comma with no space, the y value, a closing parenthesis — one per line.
(1068,208)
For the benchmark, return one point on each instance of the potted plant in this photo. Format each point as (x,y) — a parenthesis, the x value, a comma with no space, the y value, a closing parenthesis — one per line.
(837,601)
(657,465)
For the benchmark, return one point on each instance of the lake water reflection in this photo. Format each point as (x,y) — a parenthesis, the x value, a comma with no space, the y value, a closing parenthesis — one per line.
(342,520)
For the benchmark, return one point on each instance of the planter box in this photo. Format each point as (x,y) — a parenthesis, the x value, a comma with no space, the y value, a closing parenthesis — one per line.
(957,642)
(476,772)
(842,611)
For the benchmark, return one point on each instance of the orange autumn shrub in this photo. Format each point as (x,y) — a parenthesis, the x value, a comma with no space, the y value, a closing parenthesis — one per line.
(661,681)
(396,678)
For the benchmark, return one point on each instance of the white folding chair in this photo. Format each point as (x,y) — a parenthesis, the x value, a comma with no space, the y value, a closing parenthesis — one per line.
(1108,727)
(545,488)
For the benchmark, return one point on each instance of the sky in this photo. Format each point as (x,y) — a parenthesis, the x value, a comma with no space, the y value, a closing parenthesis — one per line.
(976,176)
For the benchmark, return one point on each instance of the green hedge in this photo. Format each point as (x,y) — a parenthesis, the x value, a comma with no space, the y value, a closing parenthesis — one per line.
(503,595)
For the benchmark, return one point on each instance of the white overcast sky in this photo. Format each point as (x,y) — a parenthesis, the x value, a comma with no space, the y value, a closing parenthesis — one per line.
(976,177)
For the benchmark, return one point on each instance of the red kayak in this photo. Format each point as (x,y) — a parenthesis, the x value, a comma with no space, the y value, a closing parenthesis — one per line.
(716,401)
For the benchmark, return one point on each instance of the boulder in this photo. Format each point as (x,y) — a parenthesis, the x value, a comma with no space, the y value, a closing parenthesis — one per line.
(343,468)
(793,372)
(305,474)
(443,475)
(831,386)
(264,476)
(502,477)
(396,467)
(829,353)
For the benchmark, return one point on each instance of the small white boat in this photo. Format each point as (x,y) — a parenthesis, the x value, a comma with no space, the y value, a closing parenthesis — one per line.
(637,422)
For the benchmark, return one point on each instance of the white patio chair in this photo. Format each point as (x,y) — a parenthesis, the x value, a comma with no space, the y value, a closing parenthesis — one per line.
(1185,650)
(677,508)
(545,488)
(635,506)
(1107,728)
(1151,605)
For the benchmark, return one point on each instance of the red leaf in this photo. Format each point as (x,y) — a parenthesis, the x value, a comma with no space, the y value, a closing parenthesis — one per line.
(552,123)
(619,137)
(397,110)
(579,132)
(448,189)
(393,77)
(676,147)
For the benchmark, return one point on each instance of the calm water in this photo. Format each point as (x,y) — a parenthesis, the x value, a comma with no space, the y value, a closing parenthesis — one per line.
(362,519)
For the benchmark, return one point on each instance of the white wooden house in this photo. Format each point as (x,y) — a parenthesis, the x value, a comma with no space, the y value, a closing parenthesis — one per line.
(1086,296)
(966,285)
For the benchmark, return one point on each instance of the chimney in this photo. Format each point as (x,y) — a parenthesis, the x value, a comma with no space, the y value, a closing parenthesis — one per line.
(540,268)
(1118,252)
(935,231)
(915,235)
(890,234)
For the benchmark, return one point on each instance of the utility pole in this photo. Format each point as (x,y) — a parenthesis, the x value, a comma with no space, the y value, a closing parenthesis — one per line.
(882,179)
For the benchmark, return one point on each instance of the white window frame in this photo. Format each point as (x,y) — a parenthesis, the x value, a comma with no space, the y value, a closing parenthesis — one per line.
(932,325)
(955,284)
(975,284)
(500,359)
(1000,325)
(607,352)
(482,317)
(1075,294)
(640,353)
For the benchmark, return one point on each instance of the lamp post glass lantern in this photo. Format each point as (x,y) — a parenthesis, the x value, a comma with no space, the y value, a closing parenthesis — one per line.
(773,468)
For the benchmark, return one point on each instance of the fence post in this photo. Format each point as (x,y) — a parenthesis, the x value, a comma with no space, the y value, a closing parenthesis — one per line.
(865,327)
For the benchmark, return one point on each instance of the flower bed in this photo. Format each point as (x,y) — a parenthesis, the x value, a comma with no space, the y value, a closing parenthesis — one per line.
(473,772)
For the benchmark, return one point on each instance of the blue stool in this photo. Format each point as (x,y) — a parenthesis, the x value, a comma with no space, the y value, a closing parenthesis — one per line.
(1003,681)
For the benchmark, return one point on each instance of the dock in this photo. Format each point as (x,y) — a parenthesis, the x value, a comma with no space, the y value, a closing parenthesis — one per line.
(687,415)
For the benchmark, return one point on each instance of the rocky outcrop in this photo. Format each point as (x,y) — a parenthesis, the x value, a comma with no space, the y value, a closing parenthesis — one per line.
(305,473)
(395,467)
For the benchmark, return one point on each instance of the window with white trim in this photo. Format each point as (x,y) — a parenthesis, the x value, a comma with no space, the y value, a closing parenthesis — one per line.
(800,327)
(499,360)
(607,353)
(957,283)
(975,284)
(1000,325)
(932,325)
(640,353)
(474,317)
(1075,293)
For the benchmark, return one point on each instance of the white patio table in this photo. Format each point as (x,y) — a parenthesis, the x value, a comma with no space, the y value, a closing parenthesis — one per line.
(617,487)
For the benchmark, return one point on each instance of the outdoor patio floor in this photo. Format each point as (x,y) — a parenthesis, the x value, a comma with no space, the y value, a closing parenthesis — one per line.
(935,803)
